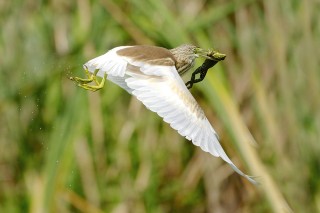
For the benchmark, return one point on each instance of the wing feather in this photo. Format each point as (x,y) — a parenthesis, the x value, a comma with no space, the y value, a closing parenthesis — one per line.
(162,84)
(120,81)
(109,63)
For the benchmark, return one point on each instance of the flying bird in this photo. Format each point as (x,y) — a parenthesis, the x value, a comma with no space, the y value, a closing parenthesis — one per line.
(153,75)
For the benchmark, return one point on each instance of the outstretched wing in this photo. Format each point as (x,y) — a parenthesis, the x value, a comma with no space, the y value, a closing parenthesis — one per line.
(161,89)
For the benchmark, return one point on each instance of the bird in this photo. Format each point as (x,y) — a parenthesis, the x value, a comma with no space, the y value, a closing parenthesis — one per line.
(153,75)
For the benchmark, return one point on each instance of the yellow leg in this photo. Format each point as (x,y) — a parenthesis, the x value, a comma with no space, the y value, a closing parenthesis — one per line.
(98,86)
(91,77)
(84,82)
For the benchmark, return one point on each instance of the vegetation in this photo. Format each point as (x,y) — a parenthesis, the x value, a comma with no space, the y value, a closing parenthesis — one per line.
(64,149)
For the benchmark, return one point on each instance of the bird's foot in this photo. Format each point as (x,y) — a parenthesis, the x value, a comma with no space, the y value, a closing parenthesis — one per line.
(84,82)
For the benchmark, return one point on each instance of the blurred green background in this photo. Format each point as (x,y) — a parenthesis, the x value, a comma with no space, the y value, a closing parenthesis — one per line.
(64,149)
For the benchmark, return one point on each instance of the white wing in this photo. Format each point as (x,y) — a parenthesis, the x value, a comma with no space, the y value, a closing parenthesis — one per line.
(165,93)
(111,64)
(161,89)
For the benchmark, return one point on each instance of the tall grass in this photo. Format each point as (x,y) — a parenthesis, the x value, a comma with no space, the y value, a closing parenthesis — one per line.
(64,149)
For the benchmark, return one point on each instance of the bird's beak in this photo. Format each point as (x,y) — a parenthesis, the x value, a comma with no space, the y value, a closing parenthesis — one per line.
(210,54)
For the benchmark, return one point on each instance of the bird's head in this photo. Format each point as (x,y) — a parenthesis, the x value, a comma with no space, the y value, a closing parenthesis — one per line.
(186,54)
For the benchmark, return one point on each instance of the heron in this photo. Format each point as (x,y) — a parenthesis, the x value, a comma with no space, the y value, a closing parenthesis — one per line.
(153,75)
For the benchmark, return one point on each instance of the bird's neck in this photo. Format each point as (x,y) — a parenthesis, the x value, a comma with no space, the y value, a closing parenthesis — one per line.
(182,63)
(183,66)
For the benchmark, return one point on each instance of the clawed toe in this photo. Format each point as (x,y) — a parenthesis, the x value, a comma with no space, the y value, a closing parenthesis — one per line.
(84,82)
